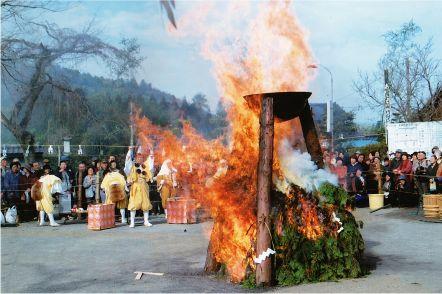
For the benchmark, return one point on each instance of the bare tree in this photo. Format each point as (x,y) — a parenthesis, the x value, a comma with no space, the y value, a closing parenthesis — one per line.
(413,75)
(26,63)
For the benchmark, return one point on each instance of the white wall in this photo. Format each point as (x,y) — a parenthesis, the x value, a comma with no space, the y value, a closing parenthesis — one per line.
(411,137)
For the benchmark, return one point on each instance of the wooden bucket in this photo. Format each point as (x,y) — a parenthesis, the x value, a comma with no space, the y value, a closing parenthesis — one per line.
(181,211)
(439,202)
(431,205)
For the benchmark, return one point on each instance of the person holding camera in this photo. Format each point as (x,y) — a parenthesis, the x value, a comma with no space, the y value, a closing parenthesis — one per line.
(420,167)
(432,175)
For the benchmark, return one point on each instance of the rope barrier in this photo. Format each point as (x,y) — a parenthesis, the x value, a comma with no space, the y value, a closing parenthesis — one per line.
(62,145)
(75,186)
(400,174)
(126,146)
(347,176)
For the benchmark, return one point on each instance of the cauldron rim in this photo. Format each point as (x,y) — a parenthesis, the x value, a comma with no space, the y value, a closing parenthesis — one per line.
(286,105)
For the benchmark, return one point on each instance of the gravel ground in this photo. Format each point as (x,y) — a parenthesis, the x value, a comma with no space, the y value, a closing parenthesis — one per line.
(405,253)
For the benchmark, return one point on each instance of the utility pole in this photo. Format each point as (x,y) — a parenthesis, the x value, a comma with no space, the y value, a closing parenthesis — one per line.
(330,114)
(407,78)
(131,124)
(330,122)
(387,104)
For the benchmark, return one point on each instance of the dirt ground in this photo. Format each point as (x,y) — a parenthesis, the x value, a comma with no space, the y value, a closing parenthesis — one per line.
(404,252)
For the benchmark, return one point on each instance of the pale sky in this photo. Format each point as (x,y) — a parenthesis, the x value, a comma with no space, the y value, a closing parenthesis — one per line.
(344,36)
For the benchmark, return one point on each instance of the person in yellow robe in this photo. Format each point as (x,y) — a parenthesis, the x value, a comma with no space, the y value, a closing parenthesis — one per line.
(139,190)
(166,182)
(114,185)
(42,193)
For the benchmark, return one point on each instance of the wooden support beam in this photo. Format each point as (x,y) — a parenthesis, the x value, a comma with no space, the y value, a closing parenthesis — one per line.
(211,266)
(310,135)
(263,240)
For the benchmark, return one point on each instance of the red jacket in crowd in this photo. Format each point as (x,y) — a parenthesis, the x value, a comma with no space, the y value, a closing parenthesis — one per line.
(406,168)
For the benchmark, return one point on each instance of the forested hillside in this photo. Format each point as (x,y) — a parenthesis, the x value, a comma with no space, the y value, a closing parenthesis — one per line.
(97,113)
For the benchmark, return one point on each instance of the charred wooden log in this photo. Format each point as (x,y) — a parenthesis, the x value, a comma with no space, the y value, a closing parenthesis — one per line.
(310,135)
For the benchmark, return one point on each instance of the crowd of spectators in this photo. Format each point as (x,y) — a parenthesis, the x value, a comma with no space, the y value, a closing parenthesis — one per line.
(17,180)
(400,176)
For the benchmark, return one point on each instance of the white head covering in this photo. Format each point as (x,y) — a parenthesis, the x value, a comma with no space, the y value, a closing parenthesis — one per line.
(151,161)
(54,182)
(165,170)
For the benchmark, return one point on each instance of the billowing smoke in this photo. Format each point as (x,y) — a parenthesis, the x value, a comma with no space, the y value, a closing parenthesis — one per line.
(299,169)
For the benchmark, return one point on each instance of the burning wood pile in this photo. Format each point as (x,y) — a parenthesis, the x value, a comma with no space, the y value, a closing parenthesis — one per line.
(308,223)
(316,237)
(277,217)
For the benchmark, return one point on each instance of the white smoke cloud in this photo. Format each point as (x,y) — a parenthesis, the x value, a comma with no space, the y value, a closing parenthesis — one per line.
(300,170)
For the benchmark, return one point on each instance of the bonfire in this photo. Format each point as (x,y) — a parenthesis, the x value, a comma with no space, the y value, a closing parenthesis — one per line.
(314,236)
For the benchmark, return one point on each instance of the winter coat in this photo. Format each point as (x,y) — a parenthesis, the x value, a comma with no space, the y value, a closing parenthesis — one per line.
(351,169)
(11,185)
(406,169)
(89,184)
(26,183)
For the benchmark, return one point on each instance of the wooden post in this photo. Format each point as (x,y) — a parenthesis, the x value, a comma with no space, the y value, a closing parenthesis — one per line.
(212,266)
(379,177)
(79,192)
(97,188)
(310,136)
(59,156)
(263,238)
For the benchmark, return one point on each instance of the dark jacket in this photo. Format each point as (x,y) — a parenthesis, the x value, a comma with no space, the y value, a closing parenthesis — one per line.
(11,185)
(387,168)
(78,185)
(403,188)
(26,182)
(432,169)
(364,166)
(351,169)
(395,163)
(359,186)
(387,186)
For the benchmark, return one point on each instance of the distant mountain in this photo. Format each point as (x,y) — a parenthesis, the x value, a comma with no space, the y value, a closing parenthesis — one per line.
(93,84)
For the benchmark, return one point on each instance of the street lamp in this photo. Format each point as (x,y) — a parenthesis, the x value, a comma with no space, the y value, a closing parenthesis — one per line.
(329,104)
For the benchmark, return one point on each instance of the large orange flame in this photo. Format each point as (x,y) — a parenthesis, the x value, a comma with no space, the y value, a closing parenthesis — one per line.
(271,55)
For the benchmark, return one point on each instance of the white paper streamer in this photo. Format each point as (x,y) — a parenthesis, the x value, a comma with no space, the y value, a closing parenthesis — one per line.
(27,152)
(264,255)
(50,149)
(80,151)
(338,220)
(4,152)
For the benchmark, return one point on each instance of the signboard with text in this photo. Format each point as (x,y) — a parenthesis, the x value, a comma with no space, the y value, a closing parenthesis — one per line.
(411,137)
